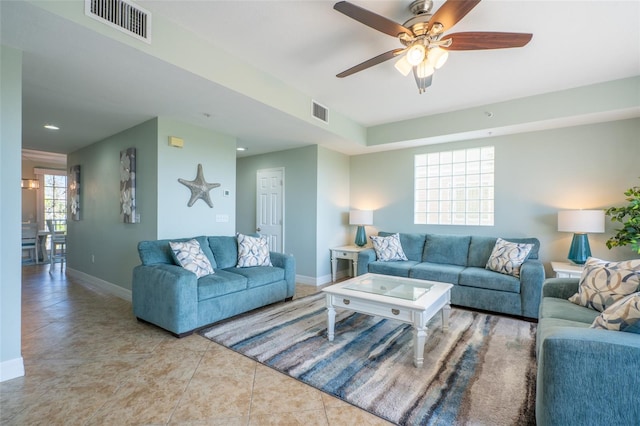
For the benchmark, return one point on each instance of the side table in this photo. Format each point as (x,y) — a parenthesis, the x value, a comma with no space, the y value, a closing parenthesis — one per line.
(567,270)
(345,252)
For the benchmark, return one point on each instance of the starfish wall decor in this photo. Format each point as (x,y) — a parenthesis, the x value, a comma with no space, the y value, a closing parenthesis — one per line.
(199,188)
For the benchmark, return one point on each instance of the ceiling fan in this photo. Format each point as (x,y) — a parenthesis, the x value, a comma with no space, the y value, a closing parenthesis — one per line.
(425,46)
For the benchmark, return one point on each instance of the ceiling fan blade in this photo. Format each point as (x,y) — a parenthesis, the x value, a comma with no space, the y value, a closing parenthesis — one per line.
(371,19)
(371,62)
(423,82)
(451,12)
(486,40)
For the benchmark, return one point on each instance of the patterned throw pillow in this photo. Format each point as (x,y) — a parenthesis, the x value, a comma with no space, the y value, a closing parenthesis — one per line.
(603,283)
(190,256)
(507,257)
(624,315)
(253,251)
(388,248)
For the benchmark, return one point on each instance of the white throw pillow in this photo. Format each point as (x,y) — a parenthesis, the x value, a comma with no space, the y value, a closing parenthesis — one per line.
(253,251)
(190,256)
(624,315)
(603,283)
(507,257)
(388,248)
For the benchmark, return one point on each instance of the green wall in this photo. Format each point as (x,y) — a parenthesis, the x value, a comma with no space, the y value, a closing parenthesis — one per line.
(11,364)
(537,174)
(100,232)
(217,154)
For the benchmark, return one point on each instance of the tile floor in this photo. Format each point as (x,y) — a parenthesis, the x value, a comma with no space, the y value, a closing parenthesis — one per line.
(89,362)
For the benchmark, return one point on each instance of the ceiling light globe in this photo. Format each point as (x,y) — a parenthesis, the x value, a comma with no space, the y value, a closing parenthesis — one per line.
(424,69)
(416,54)
(438,57)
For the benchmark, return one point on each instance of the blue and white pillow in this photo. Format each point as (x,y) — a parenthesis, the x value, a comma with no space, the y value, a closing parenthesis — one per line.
(190,256)
(388,248)
(507,257)
(624,315)
(253,251)
(603,283)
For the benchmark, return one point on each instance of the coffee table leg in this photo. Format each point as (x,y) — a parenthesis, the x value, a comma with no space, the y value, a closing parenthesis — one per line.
(331,318)
(419,339)
(446,310)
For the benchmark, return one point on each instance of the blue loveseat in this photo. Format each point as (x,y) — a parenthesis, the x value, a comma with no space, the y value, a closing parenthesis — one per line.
(172,298)
(461,260)
(586,376)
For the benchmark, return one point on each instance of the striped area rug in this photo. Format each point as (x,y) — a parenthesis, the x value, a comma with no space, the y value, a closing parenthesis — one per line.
(479,372)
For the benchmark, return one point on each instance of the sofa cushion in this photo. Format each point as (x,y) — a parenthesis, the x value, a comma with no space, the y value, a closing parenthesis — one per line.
(624,315)
(259,275)
(412,244)
(552,307)
(446,249)
(399,269)
(225,251)
(481,247)
(222,282)
(436,272)
(507,257)
(253,251)
(190,256)
(158,251)
(549,326)
(603,283)
(483,278)
(388,249)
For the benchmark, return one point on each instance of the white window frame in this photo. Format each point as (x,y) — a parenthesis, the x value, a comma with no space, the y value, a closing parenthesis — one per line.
(455,187)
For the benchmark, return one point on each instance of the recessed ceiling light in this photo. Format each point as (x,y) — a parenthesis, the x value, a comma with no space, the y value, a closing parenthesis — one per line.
(51,127)
(241,148)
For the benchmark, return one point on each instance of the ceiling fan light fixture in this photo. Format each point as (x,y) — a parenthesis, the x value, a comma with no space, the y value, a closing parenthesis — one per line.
(424,69)
(403,65)
(416,54)
(437,57)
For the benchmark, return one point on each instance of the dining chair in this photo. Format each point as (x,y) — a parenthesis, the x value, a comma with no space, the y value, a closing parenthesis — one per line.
(58,241)
(30,240)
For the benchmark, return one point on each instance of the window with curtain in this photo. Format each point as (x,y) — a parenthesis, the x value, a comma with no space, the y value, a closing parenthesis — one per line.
(455,187)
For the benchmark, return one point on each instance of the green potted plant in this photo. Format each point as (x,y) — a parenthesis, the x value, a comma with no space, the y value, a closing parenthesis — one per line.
(629,216)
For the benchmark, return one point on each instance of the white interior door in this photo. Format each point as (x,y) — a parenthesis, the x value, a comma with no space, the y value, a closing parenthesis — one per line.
(270,207)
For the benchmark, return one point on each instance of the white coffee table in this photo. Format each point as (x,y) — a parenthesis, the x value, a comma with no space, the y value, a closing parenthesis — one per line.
(408,300)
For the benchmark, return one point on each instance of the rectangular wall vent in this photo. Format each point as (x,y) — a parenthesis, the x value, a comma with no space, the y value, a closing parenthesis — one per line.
(320,112)
(123,15)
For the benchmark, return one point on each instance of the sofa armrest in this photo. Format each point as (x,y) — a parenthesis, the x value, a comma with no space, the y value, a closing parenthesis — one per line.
(561,288)
(588,376)
(288,263)
(165,295)
(364,258)
(531,279)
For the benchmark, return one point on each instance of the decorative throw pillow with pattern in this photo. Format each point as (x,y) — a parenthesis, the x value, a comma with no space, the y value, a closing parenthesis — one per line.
(253,251)
(603,283)
(507,257)
(624,315)
(190,256)
(388,248)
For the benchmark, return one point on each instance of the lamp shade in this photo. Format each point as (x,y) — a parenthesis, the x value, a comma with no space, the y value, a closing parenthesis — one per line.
(361,217)
(30,184)
(581,221)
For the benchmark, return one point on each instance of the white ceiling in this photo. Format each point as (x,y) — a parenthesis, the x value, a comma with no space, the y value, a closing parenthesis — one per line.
(70,76)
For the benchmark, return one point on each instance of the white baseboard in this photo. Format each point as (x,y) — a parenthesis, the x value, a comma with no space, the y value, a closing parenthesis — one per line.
(321,280)
(11,369)
(99,284)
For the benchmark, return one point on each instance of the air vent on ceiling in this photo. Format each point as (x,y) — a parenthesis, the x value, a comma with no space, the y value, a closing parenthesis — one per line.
(123,15)
(320,112)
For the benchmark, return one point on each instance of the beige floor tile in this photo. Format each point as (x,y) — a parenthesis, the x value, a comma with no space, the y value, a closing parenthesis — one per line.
(275,392)
(297,418)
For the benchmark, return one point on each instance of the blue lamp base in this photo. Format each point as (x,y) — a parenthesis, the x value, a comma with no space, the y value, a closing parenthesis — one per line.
(361,236)
(580,250)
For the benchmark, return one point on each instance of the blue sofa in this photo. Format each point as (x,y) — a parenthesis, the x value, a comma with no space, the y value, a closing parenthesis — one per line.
(461,260)
(172,298)
(586,376)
